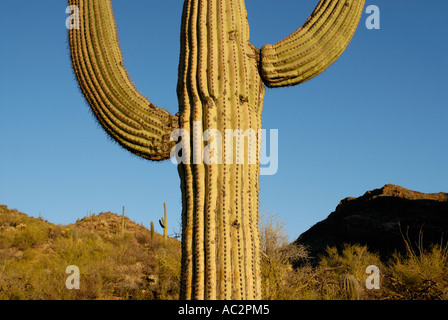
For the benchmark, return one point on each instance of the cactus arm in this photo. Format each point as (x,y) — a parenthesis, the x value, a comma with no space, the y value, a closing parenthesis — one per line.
(312,48)
(127,116)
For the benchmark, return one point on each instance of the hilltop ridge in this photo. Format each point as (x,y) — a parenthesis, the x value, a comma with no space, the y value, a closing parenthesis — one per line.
(380,219)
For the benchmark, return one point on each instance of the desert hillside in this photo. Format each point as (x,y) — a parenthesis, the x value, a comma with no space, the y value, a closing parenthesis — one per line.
(115,260)
(120,259)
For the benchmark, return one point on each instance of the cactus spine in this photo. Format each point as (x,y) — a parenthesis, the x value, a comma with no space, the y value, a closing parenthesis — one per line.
(164,224)
(221,84)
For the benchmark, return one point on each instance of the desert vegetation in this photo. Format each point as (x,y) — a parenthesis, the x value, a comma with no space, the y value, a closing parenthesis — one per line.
(121,259)
(117,259)
(290,273)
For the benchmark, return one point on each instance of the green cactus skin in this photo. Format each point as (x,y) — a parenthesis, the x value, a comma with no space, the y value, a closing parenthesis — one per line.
(221,84)
(312,48)
(164,224)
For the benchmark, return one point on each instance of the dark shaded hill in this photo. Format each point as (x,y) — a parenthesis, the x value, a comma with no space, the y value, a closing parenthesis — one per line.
(380,219)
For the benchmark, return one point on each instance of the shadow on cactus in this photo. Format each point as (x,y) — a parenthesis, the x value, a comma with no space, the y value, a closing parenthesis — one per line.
(221,85)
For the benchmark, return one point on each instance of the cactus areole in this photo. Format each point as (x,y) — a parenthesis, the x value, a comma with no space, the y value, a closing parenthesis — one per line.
(221,84)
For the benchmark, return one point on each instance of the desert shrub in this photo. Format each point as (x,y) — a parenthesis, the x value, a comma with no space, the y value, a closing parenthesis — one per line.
(420,274)
(277,255)
(339,275)
(348,272)
(169,268)
(352,259)
(20,231)
(29,236)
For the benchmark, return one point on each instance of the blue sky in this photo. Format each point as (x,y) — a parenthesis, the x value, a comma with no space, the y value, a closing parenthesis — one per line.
(378,115)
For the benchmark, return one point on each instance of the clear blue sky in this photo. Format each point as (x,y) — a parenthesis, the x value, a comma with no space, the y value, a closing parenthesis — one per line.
(378,115)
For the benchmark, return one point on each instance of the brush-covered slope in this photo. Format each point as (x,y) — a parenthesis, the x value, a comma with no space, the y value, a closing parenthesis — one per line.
(113,264)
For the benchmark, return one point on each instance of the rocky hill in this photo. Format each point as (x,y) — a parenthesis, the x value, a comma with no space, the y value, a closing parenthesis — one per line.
(117,259)
(382,219)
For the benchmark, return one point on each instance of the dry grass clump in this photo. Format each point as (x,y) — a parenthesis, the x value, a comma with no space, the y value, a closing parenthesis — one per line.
(277,255)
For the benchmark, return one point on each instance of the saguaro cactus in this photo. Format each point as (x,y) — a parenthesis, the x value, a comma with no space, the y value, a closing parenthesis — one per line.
(152,231)
(123,224)
(349,287)
(164,224)
(222,78)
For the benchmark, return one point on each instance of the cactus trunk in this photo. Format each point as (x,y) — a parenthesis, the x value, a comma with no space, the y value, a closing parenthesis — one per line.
(219,88)
(123,225)
(152,231)
(164,224)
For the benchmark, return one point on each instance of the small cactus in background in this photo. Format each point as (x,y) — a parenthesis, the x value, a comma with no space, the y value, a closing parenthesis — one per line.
(75,235)
(123,225)
(152,231)
(164,224)
(349,287)
(221,85)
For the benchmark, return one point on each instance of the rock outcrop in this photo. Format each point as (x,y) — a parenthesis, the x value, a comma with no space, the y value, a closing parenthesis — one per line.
(382,219)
